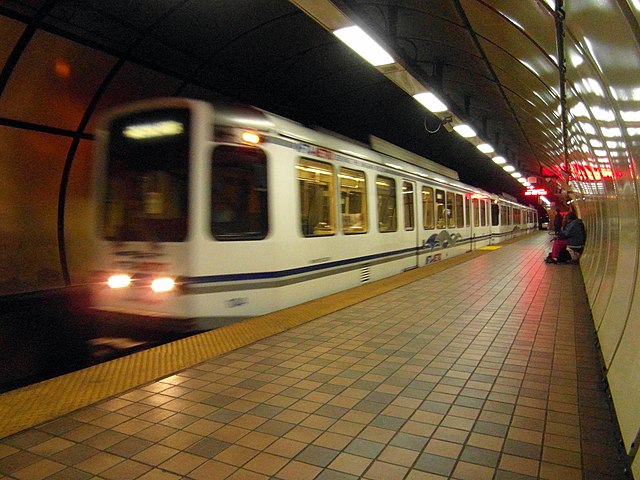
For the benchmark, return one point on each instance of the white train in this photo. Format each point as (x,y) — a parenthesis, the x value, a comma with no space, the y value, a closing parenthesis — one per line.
(213,213)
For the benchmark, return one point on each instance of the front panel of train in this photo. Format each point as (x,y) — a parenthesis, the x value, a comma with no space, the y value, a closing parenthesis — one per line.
(143,221)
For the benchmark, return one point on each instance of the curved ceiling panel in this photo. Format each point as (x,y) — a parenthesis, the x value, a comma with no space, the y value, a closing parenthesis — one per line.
(492,61)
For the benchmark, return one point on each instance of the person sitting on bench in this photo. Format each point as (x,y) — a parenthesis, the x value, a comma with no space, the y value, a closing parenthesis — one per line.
(573,235)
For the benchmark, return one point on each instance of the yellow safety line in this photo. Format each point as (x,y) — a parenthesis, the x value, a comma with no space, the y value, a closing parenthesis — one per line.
(32,405)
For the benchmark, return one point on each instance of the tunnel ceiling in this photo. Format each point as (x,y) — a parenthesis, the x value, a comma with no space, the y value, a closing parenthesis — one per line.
(494,63)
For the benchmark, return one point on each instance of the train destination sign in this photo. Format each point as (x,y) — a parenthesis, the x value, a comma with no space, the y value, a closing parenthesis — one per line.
(536,191)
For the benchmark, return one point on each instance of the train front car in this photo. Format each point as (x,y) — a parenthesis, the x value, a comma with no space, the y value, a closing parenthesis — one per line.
(209,214)
(146,212)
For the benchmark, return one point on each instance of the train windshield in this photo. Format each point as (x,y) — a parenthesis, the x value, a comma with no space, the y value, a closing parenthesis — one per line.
(146,189)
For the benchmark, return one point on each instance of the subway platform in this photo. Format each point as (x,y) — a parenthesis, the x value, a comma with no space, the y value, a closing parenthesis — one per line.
(485,366)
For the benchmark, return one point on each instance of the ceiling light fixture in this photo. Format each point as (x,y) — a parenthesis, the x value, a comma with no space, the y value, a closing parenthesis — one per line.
(465,131)
(431,102)
(485,148)
(499,160)
(364,45)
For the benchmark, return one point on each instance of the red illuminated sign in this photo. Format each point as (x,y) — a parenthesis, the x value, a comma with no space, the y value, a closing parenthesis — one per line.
(536,191)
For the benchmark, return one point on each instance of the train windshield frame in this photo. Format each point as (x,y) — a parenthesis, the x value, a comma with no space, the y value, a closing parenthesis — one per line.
(146,191)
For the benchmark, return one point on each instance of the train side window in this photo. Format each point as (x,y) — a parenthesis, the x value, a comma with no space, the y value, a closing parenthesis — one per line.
(353,200)
(483,213)
(428,218)
(409,209)
(451,210)
(239,194)
(387,209)
(459,211)
(317,201)
(441,221)
(476,212)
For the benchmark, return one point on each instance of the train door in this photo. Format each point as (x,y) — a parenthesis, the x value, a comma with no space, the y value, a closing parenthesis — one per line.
(441,217)
(410,213)
(467,220)
(495,214)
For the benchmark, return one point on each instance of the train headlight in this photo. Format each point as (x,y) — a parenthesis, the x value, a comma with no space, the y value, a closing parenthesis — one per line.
(119,281)
(163,284)
(251,138)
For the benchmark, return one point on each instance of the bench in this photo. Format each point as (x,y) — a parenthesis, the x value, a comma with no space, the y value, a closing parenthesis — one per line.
(575,251)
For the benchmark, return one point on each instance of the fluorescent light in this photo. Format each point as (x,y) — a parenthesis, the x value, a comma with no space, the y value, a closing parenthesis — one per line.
(431,102)
(485,148)
(465,131)
(364,45)
(499,160)
(516,175)
(509,168)
(522,180)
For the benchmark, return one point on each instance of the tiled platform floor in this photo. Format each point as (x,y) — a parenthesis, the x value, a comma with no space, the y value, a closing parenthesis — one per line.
(485,371)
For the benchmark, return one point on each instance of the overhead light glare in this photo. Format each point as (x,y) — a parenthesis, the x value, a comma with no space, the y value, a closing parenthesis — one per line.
(465,131)
(485,148)
(509,168)
(364,45)
(431,102)
(499,160)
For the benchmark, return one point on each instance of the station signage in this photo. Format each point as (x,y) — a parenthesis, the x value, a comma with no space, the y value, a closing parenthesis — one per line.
(536,192)
(152,130)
